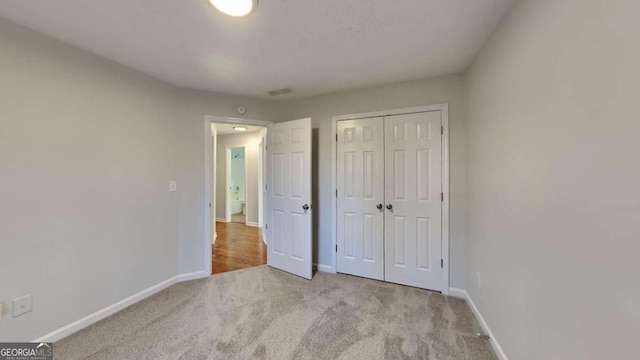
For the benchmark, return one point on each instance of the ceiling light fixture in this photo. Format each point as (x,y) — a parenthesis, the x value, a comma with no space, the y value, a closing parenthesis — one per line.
(240,128)
(235,8)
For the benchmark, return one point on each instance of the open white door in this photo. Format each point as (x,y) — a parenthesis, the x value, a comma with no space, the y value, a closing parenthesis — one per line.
(289,197)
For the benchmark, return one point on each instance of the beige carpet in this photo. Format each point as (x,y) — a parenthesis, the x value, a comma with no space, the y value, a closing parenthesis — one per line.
(262,313)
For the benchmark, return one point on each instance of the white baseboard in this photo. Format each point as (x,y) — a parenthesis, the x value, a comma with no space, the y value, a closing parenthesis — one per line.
(485,327)
(254,224)
(264,238)
(192,276)
(101,314)
(459,293)
(324,268)
(215,237)
(221,220)
(91,319)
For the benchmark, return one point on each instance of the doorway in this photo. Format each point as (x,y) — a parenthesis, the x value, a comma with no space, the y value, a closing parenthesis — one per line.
(236,178)
(236,194)
(284,196)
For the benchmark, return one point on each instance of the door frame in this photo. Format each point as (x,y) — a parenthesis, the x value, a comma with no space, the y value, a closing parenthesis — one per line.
(227,181)
(261,181)
(227,190)
(444,108)
(210,181)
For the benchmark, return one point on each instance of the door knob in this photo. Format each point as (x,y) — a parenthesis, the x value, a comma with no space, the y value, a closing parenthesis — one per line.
(305,207)
(389,206)
(379,206)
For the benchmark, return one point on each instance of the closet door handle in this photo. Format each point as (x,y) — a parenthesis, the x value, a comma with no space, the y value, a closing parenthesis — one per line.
(389,206)
(305,207)
(379,206)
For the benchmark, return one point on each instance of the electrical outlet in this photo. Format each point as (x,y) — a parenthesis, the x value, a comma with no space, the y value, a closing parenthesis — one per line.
(479,279)
(22,305)
(173,185)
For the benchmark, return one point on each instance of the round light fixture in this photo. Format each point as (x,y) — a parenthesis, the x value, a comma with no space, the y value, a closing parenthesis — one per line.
(235,8)
(240,128)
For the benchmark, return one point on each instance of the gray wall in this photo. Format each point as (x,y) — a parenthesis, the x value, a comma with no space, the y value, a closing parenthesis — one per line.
(87,148)
(448,89)
(554,167)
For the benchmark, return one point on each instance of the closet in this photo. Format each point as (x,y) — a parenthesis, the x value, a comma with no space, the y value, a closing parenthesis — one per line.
(390,198)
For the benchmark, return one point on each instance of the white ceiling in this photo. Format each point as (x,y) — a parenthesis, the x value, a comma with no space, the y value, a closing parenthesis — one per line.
(311,46)
(227,129)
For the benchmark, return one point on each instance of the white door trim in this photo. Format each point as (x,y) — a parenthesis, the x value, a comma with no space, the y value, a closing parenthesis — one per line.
(227,189)
(444,108)
(227,183)
(209,182)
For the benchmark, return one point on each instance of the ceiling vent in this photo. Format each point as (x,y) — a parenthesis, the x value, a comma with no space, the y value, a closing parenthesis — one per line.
(280,91)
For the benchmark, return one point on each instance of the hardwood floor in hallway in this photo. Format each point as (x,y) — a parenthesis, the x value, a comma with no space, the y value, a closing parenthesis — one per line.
(238,218)
(238,246)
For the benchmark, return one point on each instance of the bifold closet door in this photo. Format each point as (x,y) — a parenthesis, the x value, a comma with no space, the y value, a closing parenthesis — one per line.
(413,209)
(360,177)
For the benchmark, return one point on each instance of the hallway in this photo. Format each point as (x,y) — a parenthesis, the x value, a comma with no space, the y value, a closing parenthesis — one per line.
(239,218)
(237,246)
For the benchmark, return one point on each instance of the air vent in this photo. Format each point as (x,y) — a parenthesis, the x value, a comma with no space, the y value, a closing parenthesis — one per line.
(280,91)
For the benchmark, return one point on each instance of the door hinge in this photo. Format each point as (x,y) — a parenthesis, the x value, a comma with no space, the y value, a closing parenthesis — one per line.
(336,137)
(336,247)
(441,130)
(266,226)
(442,263)
(209,204)
(336,192)
(442,196)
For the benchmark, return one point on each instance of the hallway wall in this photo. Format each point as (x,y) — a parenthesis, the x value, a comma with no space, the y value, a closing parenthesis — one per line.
(251,142)
(238,179)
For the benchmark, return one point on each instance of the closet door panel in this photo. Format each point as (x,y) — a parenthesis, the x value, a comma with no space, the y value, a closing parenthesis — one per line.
(413,212)
(360,178)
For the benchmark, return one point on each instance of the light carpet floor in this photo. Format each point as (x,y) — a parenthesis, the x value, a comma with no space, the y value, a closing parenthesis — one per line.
(263,313)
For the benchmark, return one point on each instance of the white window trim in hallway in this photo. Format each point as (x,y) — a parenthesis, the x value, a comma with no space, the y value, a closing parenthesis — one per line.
(444,108)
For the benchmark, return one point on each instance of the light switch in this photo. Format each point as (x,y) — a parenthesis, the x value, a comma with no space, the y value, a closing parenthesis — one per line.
(173,185)
(22,305)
